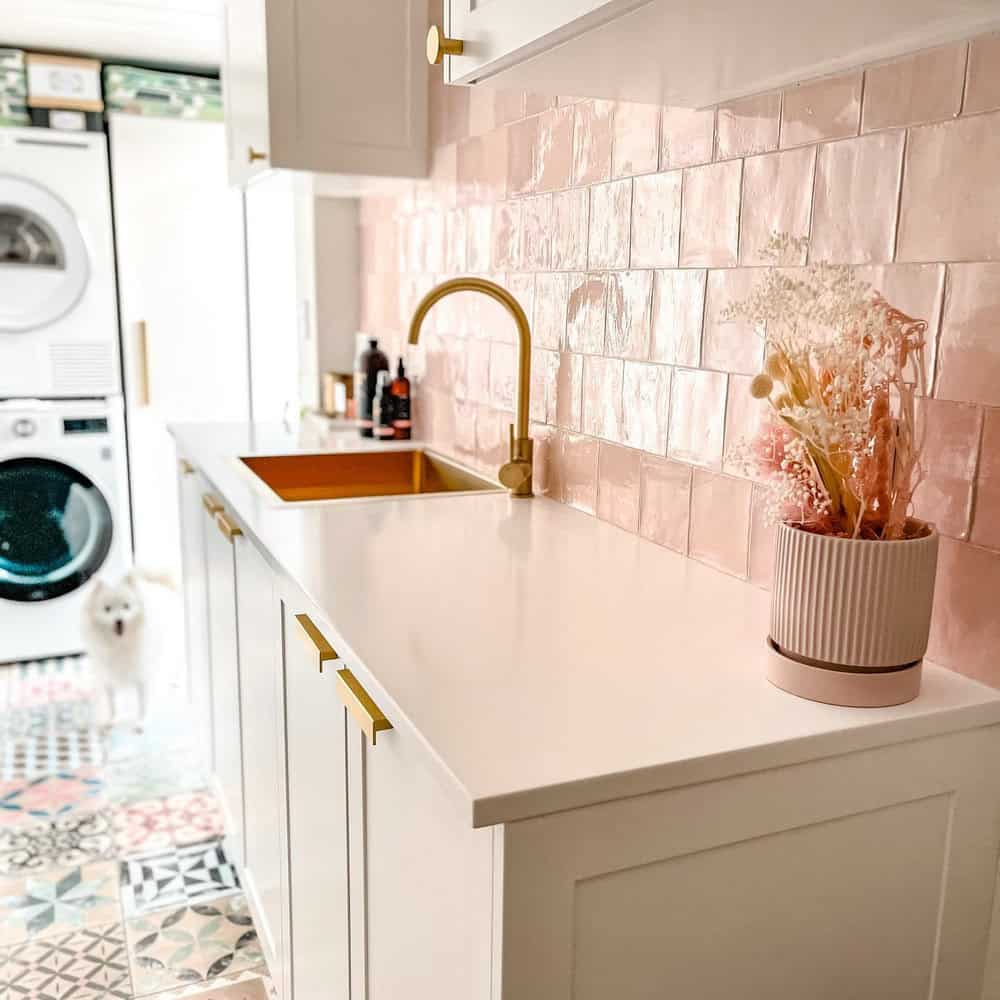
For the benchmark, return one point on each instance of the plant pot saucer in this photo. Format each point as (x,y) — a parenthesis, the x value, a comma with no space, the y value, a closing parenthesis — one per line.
(845,687)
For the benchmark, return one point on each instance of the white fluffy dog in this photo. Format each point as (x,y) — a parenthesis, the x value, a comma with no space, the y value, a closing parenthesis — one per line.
(123,644)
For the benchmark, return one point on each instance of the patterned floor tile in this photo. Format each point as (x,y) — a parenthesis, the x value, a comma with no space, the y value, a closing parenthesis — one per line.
(58,900)
(89,964)
(42,682)
(70,840)
(192,944)
(51,796)
(173,821)
(253,985)
(50,752)
(153,774)
(175,876)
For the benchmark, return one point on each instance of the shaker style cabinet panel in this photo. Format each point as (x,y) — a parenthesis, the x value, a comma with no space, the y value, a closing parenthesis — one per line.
(689,54)
(336,88)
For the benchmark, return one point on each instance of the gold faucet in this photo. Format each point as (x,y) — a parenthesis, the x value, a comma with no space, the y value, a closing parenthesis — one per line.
(515,474)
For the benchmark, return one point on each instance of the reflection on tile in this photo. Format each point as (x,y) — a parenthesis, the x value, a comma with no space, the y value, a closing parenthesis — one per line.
(749,126)
(602,397)
(636,144)
(710,215)
(826,109)
(174,820)
(585,313)
(507,236)
(720,521)
(777,198)
(986,526)
(925,87)
(610,215)
(578,472)
(570,229)
(744,417)
(536,233)
(857,187)
(939,220)
(39,904)
(554,150)
(629,308)
(733,345)
(678,305)
(656,220)
(175,876)
(191,944)
(551,298)
(697,417)
(544,373)
(687,137)
(69,841)
(969,352)
(86,964)
(521,165)
(982,89)
(646,406)
(569,391)
(665,502)
(592,141)
(618,486)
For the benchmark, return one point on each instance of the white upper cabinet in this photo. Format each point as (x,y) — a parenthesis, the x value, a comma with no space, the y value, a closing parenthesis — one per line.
(337,88)
(689,54)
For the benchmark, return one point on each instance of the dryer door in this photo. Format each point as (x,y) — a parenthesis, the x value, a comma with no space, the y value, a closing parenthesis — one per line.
(55,529)
(44,264)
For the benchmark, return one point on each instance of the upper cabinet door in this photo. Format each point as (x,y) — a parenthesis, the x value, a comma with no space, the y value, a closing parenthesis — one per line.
(245,89)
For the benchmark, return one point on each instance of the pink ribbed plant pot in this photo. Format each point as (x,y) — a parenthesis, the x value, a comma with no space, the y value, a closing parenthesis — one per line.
(850,618)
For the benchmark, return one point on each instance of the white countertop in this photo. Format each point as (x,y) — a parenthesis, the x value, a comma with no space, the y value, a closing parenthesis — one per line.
(548,659)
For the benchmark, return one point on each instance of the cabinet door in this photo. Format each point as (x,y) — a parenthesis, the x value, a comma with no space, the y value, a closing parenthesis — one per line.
(317,817)
(191,487)
(421,876)
(259,628)
(225,683)
(244,88)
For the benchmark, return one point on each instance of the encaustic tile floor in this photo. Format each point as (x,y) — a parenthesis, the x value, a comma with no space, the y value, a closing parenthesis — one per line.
(114,878)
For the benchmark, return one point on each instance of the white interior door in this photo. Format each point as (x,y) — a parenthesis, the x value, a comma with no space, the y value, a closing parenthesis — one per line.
(181,254)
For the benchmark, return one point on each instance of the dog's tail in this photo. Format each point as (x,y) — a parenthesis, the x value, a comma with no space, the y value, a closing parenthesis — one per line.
(160,578)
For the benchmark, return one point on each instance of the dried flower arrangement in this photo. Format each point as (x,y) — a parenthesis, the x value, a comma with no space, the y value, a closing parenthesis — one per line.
(839,451)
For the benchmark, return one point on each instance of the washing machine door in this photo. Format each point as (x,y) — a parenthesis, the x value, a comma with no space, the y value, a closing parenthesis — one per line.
(44,264)
(55,529)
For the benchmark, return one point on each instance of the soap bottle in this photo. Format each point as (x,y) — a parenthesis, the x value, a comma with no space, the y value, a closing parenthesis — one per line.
(384,409)
(401,421)
(370,363)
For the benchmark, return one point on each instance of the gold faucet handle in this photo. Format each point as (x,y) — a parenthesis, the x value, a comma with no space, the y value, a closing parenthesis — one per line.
(516,476)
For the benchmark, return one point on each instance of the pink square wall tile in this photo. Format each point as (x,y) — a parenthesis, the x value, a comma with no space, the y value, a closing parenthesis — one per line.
(551,298)
(748,126)
(535,103)
(491,437)
(602,397)
(665,502)
(482,110)
(507,236)
(760,558)
(986,522)
(482,167)
(477,384)
(857,189)
(503,369)
(720,521)
(678,308)
(546,446)
(969,350)
(522,175)
(646,406)
(733,345)
(636,143)
(508,105)
(536,233)
(656,220)
(951,450)
(578,471)
(586,310)
(479,238)
(710,215)
(593,137)
(824,109)
(630,295)
(744,417)
(777,198)
(569,391)
(544,387)
(925,87)
(448,112)
(618,486)
(610,216)
(553,168)
(982,89)
(951,199)
(455,230)
(965,629)
(570,229)
(697,417)
(687,137)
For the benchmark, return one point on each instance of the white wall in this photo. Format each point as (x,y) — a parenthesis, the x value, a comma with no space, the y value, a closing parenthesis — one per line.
(337,235)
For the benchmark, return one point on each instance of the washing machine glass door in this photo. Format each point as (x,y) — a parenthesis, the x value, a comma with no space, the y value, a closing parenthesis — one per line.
(44,265)
(55,529)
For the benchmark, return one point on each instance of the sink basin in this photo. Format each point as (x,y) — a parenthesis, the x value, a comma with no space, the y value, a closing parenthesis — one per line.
(342,475)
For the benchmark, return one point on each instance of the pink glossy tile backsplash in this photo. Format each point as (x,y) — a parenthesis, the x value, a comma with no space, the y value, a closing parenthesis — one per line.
(624,230)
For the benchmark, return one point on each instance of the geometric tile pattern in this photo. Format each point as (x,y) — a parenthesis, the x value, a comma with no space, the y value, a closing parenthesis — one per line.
(50,796)
(172,821)
(43,753)
(170,948)
(69,840)
(176,876)
(87,964)
(58,900)
(253,985)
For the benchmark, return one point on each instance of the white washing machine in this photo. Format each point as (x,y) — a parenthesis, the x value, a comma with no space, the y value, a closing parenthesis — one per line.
(58,317)
(64,517)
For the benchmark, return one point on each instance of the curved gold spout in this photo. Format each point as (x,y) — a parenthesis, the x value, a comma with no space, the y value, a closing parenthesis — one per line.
(516,474)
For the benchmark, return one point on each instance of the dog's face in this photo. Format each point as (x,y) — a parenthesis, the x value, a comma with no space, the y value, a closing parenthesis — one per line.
(116,608)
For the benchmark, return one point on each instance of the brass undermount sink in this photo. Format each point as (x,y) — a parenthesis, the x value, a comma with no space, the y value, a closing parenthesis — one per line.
(343,475)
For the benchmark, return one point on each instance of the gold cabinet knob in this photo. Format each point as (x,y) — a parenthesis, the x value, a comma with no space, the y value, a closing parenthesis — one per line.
(253,155)
(439,45)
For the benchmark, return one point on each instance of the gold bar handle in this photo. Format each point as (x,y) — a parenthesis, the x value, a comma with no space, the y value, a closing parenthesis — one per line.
(143,396)
(187,469)
(359,703)
(316,640)
(226,526)
(211,503)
